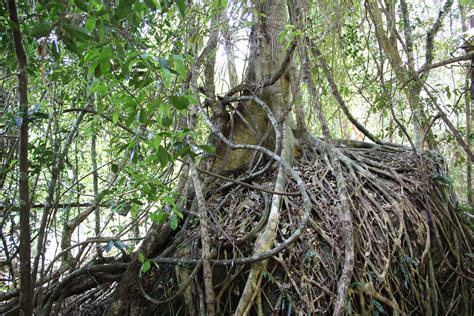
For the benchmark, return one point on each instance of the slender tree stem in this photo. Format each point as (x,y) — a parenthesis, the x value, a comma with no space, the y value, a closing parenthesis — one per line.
(26,290)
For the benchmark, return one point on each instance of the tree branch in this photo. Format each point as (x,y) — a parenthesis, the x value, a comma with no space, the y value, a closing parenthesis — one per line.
(327,72)
(430,35)
(270,80)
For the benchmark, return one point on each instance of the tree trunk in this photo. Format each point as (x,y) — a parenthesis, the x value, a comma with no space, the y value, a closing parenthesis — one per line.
(26,289)
(265,57)
(469,105)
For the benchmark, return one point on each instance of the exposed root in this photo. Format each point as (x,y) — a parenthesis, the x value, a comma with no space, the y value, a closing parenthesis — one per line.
(264,242)
(409,242)
(381,233)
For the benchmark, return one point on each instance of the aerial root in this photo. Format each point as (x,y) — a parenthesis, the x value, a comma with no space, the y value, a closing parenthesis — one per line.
(408,240)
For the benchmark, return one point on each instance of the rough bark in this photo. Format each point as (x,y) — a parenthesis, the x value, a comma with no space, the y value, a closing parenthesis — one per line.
(265,56)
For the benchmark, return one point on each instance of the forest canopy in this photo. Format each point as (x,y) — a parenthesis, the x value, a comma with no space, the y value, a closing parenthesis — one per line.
(236,157)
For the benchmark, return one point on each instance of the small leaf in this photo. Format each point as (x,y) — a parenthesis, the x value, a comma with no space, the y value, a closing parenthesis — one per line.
(152,5)
(159,217)
(207,148)
(173,222)
(98,87)
(41,29)
(124,8)
(192,99)
(105,54)
(77,32)
(114,168)
(166,120)
(91,70)
(178,62)
(81,4)
(141,257)
(164,63)
(41,115)
(163,156)
(146,266)
(220,3)
(101,32)
(179,102)
(105,67)
(143,116)
(181,7)
(115,117)
(90,23)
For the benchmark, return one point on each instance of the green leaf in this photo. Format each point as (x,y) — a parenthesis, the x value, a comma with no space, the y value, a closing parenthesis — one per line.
(153,105)
(166,120)
(81,4)
(164,63)
(207,148)
(105,54)
(115,117)
(114,168)
(124,8)
(220,3)
(179,102)
(131,117)
(143,116)
(134,210)
(105,67)
(152,4)
(77,32)
(41,115)
(101,32)
(192,99)
(178,62)
(141,257)
(41,29)
(90,23)
(91,70)
(100,106)
(146,266)
(99,87)
(166,77)
(159,217)
(181,7)
(173,222)
(156,142)
(163,156)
